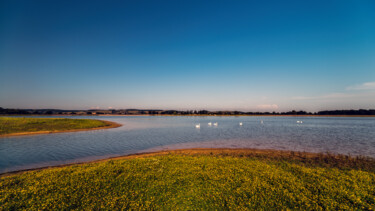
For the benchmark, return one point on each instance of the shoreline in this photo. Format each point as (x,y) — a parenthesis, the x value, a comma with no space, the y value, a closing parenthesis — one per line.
(192,115)
(269,154)
(266,115)
(111,125)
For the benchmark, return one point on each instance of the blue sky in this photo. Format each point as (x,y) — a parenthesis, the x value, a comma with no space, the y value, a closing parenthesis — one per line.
(215,55)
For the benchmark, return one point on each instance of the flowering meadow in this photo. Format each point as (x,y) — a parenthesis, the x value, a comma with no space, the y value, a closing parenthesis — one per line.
(176,181)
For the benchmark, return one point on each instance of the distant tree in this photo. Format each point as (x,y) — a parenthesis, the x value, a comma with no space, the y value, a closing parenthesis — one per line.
(49,112)
(203,112)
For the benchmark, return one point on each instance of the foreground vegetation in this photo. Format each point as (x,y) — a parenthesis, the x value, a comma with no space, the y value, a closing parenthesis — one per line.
(198,179)
(21,126)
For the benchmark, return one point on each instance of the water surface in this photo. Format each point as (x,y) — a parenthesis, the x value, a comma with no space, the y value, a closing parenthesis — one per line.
(344,135)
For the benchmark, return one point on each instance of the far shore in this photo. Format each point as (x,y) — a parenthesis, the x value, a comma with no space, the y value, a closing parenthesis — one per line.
(191,115)
(309,158)
(110,125)
(266,115)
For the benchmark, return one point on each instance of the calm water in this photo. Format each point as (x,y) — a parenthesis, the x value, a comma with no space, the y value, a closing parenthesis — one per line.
(354,136)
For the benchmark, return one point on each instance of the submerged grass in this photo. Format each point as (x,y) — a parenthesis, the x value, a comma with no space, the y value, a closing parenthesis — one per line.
(189,180)
(12,125)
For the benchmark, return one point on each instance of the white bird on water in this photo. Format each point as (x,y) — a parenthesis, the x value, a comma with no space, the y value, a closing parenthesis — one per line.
(240,123)
(198,126)
(215,124)
(210,123)
(299,122)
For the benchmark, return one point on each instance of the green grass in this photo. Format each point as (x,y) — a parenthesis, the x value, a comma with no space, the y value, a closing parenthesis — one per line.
(174,181)
(12,125)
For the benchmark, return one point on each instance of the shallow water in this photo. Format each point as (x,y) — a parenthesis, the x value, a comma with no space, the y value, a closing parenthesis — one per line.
(344,135)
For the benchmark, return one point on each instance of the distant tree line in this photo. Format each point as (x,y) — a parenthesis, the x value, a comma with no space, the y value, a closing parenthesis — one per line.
(348,112)
(10,111)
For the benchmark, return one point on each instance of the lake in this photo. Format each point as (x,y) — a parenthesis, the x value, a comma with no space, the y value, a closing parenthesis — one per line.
(344,135)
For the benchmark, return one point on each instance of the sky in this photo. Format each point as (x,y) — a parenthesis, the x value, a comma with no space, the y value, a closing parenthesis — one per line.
(215,55)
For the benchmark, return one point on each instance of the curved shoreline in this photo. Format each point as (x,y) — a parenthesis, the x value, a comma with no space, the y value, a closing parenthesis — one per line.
(111,125)
(310,158)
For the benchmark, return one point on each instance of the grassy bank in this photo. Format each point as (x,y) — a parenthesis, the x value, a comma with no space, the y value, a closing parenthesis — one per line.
(198,179)
(26,126)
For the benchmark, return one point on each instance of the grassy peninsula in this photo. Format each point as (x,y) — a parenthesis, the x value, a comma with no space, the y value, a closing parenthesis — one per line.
(213,179)
(10,126)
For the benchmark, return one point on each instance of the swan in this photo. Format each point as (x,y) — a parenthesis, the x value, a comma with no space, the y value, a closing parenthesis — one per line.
(198,126)
(210,123)
(215,124)
(240,123)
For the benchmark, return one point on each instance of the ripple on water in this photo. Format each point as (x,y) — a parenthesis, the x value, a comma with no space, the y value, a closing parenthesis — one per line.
(355,136)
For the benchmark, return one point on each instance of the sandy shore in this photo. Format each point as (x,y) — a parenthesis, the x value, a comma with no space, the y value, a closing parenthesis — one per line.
(111,125)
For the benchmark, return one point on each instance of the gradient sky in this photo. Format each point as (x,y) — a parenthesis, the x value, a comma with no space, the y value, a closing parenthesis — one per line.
(215,55)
